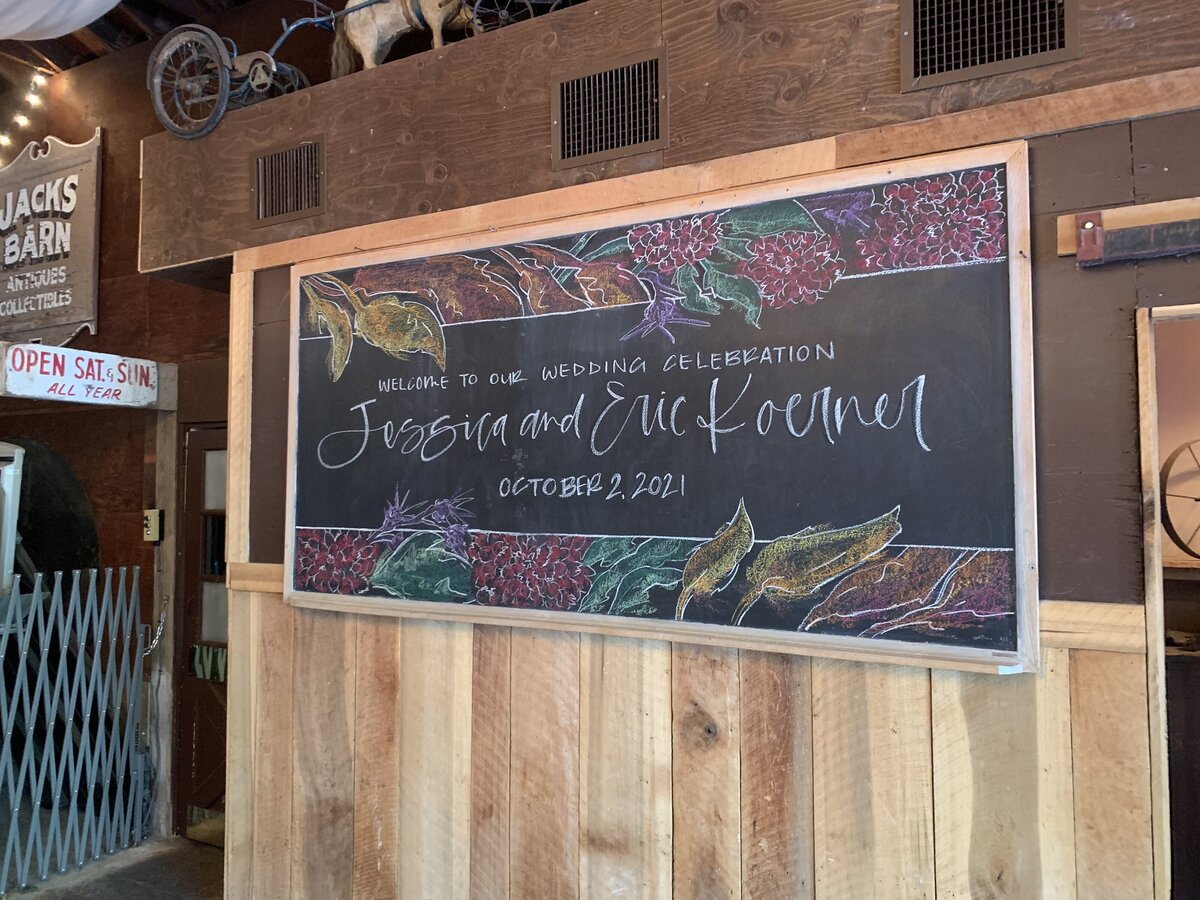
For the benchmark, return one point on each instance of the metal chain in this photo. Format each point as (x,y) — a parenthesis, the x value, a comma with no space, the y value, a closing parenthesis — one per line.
(162,621)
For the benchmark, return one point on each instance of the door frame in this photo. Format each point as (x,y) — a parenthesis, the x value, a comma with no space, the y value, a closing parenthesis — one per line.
(169,776)
(1160,801)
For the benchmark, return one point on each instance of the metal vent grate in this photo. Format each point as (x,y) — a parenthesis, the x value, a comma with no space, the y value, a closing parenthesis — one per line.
(288,184)
(615,112)
(953,40)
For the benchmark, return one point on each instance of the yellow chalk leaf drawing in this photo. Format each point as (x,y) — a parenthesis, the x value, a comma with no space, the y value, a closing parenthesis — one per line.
(714,562)
(326,314)
(401,327)
(794,566)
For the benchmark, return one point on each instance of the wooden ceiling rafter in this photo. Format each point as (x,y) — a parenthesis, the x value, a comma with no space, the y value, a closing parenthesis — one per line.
(90,41)
(36,62)
(136,21)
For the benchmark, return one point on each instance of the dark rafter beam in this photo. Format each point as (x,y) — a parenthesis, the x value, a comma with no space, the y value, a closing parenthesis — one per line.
(92,42)
(158,17)
(134,20)
(24,54)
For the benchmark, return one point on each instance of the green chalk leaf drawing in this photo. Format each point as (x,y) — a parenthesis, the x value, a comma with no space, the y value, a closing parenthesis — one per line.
(764,219)
(739,292)
(626,571)
(421,568)
(686,278)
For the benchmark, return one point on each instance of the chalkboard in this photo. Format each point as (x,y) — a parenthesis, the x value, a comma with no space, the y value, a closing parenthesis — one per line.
(801,420)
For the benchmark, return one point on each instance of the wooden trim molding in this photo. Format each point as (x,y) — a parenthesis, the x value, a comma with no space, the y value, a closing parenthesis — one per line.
(1065,624)
(1083,625)
(262,578)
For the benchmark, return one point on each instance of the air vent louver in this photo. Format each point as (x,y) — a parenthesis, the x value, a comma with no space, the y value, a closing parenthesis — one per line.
(953,40)
(288,184)
(616,112)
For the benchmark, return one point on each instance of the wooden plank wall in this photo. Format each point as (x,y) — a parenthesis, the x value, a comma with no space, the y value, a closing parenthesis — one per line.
(471,123)
(382,758)
(420,759)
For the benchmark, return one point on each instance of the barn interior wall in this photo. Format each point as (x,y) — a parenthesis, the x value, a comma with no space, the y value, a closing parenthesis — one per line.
(374,757)
(113,451)
(377,757)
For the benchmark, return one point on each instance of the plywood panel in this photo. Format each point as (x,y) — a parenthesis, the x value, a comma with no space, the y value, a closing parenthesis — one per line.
(1111,754)
(414,136)
(705,759)
(491,727)
(777,770)
(872,781)
(545,831)
(1088,476)
(435,760)
(274,736)
(376,757)
(625,768)
(323,713)
(1004,822)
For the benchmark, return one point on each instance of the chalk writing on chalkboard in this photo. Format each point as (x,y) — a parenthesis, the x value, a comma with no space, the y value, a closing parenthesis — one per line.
(794,415)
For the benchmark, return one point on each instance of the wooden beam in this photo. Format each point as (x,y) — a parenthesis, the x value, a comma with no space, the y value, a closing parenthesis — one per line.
(1128,217)
(1079,625)
(94,44)
(1118,101)
(1156,664)
(134,20)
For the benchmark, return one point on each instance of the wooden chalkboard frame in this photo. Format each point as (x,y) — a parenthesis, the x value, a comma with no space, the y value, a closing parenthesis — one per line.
(575,209)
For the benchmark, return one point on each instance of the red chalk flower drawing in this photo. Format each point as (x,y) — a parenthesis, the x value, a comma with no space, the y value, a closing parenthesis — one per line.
(334,562)
(529,572)
(675,243)
(793,267)
(943,220)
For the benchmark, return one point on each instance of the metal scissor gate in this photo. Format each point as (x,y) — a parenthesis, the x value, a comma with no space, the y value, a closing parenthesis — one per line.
(72,765)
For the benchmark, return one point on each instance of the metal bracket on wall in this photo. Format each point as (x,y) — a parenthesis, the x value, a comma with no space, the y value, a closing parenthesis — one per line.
(1125,233)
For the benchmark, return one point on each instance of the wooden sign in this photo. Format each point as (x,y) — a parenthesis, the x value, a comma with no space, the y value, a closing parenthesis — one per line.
(49,202)
(796,416)
(78,376)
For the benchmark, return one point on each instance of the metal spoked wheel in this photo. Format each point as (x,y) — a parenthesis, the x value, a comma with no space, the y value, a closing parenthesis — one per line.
(189,81)
(1180,480)
(288,80)
(488,15)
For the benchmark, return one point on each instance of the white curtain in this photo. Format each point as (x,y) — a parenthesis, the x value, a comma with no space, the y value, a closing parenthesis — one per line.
(32,20)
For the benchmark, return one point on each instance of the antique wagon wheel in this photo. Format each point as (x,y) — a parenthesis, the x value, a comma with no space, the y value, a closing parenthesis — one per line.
(488,15)
(287,80)
(188,79)
(1180,479)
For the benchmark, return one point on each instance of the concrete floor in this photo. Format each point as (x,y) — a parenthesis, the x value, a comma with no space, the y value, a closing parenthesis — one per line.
(176,868)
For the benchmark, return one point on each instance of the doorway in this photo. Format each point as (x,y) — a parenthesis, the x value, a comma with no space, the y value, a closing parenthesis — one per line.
(201,640)
(1169,340)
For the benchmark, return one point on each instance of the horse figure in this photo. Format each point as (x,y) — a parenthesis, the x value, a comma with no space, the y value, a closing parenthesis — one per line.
(371,31)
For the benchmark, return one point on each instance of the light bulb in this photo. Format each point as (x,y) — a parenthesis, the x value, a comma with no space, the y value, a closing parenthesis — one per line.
(21,120)
(39,79)
(5,140)
(32,99)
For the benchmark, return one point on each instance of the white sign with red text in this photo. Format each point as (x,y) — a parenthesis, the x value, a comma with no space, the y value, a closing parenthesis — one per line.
(78,376)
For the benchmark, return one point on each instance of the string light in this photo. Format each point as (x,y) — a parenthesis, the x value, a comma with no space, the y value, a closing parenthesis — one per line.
(34,100)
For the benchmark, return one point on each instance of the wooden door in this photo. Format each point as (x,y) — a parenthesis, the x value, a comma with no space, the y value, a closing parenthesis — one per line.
(202,640)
